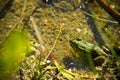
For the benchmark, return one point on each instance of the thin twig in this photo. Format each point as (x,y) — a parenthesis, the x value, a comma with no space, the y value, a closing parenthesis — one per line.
(19,21)
(21,16)
(37,33)
(54,42)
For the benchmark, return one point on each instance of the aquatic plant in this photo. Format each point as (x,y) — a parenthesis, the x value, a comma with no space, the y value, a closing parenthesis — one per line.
(12,53)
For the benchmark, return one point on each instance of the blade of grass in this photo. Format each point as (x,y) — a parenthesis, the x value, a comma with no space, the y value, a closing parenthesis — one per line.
(95,17)
(66,73)
(106,40)
(37,33)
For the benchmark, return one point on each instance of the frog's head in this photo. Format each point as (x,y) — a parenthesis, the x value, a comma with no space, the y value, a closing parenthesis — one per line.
(75,45)
(80,45)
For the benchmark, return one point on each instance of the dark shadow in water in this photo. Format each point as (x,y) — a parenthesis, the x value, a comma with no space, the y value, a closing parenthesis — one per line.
(76,64)
(84,6)
(6,8)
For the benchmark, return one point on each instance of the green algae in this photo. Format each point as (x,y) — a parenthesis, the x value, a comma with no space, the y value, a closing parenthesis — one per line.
(12,53)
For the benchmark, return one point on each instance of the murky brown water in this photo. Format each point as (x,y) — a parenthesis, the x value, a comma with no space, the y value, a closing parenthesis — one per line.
(49,19)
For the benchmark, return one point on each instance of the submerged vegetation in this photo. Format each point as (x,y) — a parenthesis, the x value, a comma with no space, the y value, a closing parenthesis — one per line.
(37,38)
(13,52)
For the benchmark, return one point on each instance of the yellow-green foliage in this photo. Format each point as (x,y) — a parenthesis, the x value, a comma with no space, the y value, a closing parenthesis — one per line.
(12,53)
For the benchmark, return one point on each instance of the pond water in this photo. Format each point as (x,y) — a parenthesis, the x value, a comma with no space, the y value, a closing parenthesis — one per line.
(66,14)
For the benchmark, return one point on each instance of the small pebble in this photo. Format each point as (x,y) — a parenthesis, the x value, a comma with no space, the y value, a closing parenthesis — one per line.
(78,29)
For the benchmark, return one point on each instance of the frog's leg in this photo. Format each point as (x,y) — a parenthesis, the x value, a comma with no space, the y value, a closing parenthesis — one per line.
(102,57)
(90,61)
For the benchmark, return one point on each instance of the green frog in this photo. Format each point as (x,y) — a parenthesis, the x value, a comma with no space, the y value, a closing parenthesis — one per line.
(88,51)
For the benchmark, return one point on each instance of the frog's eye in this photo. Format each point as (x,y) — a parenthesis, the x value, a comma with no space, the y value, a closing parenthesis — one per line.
(78,39)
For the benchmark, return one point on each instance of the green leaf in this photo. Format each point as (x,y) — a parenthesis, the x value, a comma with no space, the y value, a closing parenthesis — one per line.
(12,53)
